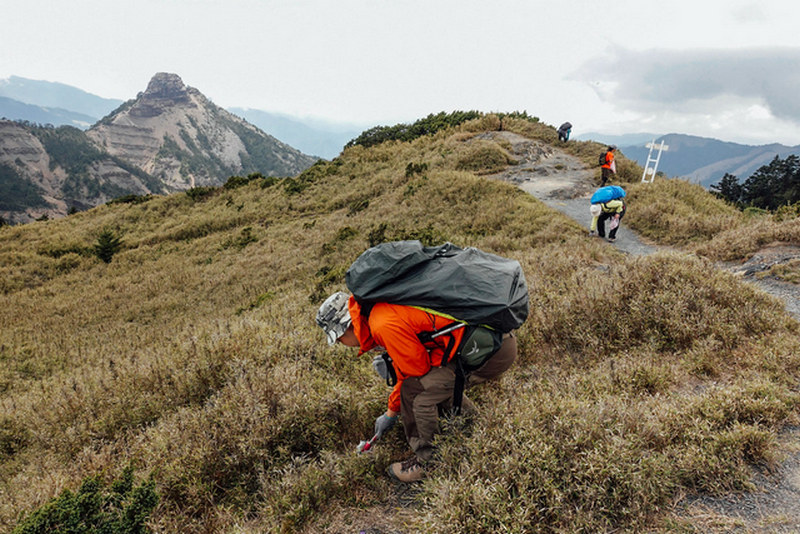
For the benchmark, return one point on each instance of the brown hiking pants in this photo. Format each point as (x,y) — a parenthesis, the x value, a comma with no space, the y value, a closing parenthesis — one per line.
(421,397)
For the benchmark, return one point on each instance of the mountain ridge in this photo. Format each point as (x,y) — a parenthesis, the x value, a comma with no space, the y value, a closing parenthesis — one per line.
(54,94)
(169,138)
(15,110)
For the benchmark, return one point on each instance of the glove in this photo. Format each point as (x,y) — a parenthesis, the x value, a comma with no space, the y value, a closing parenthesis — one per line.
(384,423)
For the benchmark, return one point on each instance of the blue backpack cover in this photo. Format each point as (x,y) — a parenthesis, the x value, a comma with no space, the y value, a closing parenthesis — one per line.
(609,192)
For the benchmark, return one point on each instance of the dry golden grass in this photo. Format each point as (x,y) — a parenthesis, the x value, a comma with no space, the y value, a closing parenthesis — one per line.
(194,355)
(676,212)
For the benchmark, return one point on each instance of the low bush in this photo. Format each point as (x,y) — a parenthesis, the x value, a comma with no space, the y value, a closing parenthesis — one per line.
(485,157)
(408,132)
(120,508)
(198,194)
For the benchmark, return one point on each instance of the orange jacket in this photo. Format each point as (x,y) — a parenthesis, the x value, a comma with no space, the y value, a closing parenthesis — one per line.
(395,328)
(609,159)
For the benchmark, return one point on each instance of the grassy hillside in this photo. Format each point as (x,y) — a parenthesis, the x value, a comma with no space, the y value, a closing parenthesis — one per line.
(193,356)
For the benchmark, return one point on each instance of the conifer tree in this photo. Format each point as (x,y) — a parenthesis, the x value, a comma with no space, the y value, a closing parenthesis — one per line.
(107,245)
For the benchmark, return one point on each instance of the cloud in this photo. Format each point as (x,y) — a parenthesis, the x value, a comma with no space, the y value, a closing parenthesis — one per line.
(689,81)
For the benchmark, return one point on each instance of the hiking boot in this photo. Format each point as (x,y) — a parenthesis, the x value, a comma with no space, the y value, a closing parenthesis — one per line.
(407,471)
(592,233)
(612,239)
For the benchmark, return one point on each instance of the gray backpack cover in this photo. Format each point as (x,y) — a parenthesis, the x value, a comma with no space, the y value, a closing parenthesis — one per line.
(466,284)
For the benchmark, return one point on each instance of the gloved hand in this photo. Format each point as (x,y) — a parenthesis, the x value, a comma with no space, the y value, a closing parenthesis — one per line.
(384,423)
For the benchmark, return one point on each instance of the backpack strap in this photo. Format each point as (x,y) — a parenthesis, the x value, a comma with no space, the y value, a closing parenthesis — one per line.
(458,388)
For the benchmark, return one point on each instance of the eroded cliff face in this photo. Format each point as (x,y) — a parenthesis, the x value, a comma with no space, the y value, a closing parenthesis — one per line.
(177,135)
(35,185)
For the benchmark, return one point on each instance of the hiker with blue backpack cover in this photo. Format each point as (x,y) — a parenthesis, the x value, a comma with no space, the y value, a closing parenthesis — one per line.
(607,204)
(436,339)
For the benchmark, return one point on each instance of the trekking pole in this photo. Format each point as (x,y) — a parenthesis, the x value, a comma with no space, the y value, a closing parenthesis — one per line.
(425,337)
(447,329)
(364,446)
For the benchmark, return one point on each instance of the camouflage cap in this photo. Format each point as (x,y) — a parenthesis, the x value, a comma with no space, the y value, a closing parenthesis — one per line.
(334,317)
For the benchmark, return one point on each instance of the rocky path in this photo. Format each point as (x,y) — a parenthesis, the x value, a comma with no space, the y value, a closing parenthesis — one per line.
(561,181)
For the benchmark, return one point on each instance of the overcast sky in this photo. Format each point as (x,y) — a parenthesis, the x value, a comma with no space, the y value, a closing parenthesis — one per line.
(728,69)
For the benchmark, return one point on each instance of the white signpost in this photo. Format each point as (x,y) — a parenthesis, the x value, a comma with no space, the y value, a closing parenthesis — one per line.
(648,169)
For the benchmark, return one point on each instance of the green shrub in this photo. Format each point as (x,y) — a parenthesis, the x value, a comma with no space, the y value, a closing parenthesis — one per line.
(238,181)
(107,245)
(13,437)
(345,233)
(120,509)
(415,168)
(245,238)
(130,199)
(197,194)
(408,132)
(269,181)
(787,212)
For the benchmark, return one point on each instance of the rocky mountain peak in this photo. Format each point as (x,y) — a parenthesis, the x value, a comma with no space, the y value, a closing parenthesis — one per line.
(165,85)
(175,134)
(164,90)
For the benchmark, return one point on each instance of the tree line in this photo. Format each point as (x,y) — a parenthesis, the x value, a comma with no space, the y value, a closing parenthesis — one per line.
(770,187)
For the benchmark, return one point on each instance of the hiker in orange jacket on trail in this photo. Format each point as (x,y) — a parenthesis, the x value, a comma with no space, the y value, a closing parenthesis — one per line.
(424,387)
(609,168)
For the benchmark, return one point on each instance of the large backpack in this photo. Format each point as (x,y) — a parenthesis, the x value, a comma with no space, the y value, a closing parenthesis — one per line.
(468,285)
(607,193)
(601,159)
(486,294)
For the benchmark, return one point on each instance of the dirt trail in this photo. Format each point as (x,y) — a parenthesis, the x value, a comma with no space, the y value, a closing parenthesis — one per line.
(563,183)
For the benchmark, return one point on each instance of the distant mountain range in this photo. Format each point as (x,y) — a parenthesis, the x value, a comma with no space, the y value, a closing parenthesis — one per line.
(169,138)
(323,139)
(48,95)
(16,110)
(59,104)
(699,159)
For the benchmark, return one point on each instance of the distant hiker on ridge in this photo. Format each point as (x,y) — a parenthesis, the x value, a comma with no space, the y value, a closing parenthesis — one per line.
(563,132)
(609,166)
(430,357)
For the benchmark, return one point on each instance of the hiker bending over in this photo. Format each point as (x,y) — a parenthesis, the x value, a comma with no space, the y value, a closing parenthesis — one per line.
(609,168)
(563,132)
(424,388)
(612,211)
